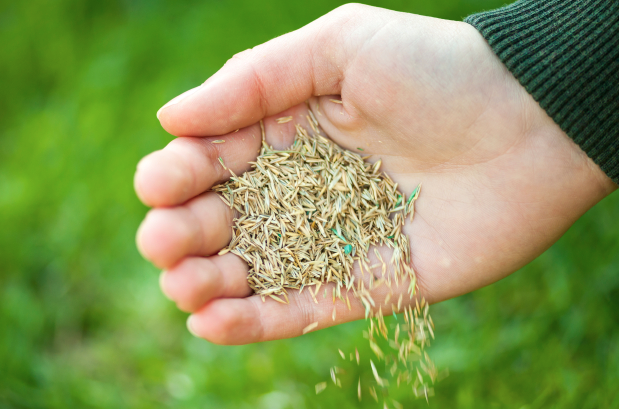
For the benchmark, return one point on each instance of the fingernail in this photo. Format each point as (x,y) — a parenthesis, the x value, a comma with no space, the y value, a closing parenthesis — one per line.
(191,326)
(177,99)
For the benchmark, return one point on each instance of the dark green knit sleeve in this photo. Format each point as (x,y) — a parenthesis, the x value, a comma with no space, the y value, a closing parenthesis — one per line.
(566,55)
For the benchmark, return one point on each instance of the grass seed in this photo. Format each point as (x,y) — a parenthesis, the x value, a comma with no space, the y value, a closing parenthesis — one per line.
(306,216)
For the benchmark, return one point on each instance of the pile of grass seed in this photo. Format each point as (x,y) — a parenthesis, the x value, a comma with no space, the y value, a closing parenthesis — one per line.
(306,215)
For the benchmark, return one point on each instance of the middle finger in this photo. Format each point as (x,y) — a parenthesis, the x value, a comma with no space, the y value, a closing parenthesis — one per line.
(200,227)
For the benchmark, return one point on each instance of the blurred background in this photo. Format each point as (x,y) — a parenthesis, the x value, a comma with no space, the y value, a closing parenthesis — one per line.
(82,321)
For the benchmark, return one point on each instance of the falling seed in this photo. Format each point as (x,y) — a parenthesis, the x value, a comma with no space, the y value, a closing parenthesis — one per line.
(342,354)
(337,101)
(373,393)
(218,141)
(359,389)
(360,149)
(310,327)
(379,380)
(320,387)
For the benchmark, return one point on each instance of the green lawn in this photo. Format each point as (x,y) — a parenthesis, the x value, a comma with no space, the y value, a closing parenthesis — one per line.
(82,322)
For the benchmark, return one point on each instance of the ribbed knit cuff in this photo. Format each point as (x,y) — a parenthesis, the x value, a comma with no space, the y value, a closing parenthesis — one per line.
(566,55)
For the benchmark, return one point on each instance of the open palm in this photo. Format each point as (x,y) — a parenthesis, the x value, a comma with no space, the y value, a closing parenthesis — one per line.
(501,181)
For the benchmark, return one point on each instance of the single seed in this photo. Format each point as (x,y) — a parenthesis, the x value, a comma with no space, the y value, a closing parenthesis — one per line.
(310,327)
(262,131)
(222,163)
(359,389)
(373,393)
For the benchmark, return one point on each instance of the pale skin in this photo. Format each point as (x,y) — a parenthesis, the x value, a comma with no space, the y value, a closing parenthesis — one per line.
(501,181)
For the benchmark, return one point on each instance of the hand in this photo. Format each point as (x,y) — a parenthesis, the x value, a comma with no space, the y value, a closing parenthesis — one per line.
(501,181)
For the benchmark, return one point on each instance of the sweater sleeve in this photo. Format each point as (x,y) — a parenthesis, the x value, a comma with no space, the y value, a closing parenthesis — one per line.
(566,55)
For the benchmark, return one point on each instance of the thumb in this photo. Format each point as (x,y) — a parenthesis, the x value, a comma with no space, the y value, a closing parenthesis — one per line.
(269,78)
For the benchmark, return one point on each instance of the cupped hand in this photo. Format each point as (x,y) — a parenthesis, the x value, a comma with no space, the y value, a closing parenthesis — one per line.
(501,181)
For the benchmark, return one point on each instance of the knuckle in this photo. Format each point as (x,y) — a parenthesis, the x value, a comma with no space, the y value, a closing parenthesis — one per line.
(305,308)
(349,9)
(258,85)
(423,290)
(240,56)
(229,330)
(173,284)
(247,62)
(212,154)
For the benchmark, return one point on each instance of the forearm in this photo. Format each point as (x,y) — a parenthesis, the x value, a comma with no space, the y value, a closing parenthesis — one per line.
(566,55)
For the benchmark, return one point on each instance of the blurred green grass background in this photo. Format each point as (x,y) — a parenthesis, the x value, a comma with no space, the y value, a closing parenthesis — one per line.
(82,322)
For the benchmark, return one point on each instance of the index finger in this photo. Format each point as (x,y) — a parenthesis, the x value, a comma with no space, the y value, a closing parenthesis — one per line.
(189,166)
(276,75)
